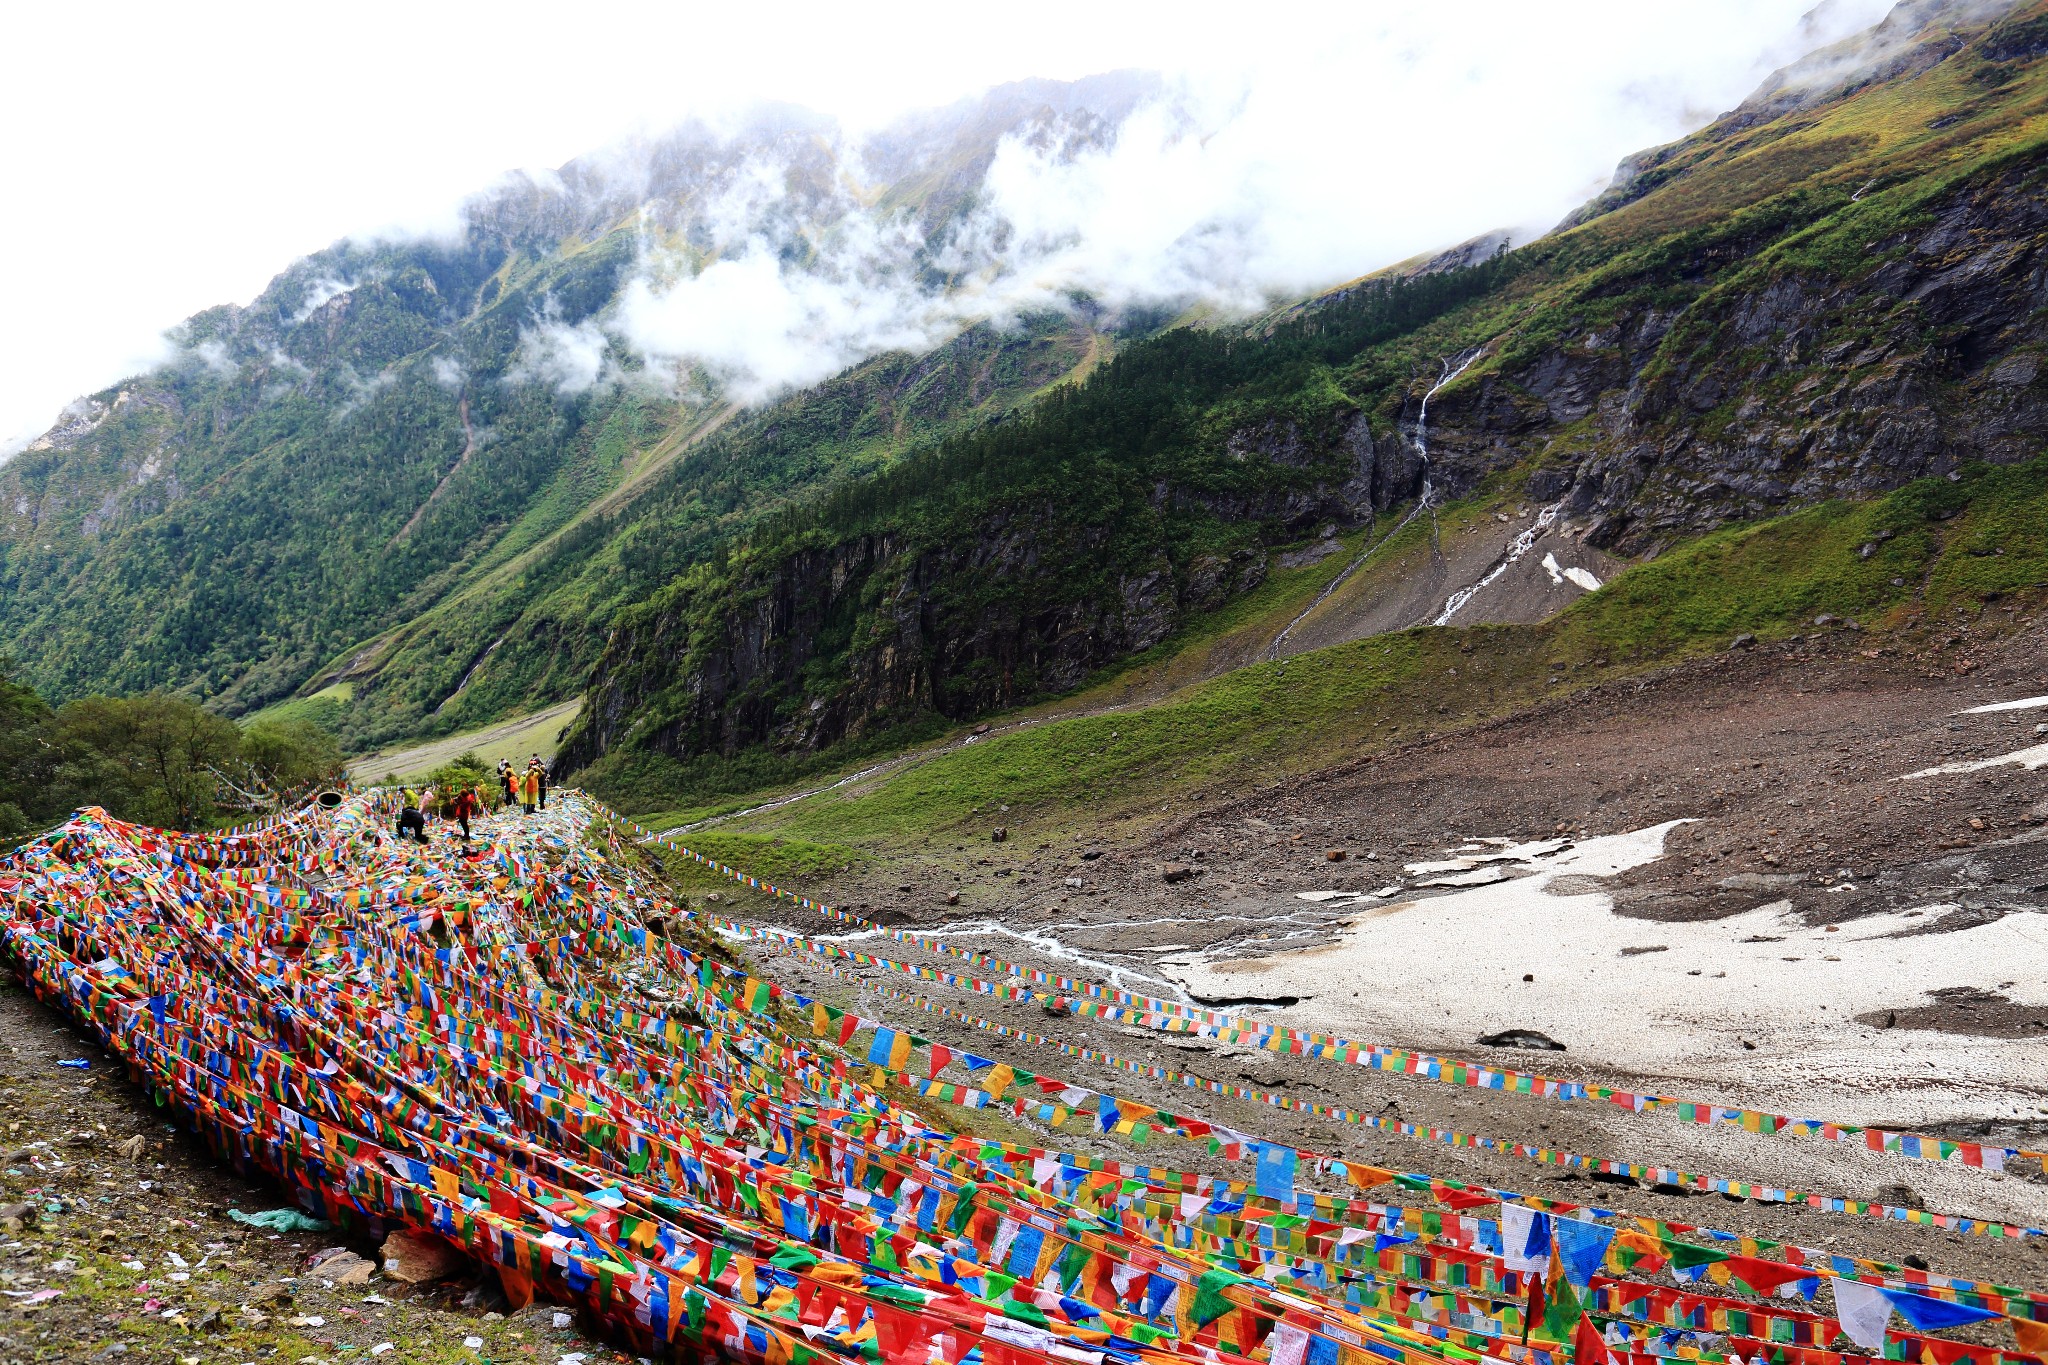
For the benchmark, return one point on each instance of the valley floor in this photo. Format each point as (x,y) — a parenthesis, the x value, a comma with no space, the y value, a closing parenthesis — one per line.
(1753,814)
(537,732)
(1806,878)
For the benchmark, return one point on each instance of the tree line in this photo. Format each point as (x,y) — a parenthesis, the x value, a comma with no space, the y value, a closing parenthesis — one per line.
(157,759)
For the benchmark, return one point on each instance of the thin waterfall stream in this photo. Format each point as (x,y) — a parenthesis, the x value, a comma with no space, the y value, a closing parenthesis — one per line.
(1518,547)
(1426,500)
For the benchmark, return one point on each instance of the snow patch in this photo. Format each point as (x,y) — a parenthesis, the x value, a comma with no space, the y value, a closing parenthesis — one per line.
(1453,968)
(1560,574)
(2023,704)
(2029,758)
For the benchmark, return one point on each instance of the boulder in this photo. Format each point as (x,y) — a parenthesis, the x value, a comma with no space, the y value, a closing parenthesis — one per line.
(343,1266)
(1523,1038)
(420,1258)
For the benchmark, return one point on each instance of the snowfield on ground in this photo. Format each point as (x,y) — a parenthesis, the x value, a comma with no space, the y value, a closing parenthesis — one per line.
(1674,999)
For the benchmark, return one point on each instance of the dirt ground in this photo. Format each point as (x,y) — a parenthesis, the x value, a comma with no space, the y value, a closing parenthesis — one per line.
(1790,762)
(111,1257)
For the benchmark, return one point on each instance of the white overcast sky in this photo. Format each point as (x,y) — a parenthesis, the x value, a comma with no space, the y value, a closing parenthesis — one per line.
(163,158)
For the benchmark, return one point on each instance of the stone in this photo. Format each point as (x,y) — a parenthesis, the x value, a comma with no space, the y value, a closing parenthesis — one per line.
(1175,872)
(998,834)
(1090,855)
(1523,1038)
(1336,855)
(15,1217)
(1755,881)
(131,1148)
(1743,641)
(952,898)
(418,1258)
(1075,882)
(347,1268)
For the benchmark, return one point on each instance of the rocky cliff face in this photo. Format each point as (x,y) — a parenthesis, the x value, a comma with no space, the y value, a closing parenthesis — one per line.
(834,643)
(1661,421)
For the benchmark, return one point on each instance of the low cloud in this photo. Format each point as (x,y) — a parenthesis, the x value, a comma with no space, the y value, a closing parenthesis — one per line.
(360,390)
(319,294)
(449,373)
(1308,146)
(568,357)
(212,355)
(1230,191)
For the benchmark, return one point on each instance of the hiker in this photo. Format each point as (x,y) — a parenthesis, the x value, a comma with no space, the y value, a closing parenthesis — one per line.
(465,805)
(539,771)
(528,784)
(411,824)
(508,781)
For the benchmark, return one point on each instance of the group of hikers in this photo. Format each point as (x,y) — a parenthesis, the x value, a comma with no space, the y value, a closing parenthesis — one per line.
(526,788)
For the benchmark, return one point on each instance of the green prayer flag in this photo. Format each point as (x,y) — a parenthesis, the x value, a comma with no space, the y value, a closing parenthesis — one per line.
(1209,1302)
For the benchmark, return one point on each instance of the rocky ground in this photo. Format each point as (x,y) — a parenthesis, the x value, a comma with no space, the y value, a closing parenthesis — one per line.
(1888,928)
(1789,761)
(118,1244)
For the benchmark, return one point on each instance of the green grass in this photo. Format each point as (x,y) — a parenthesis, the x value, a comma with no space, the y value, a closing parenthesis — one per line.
(776,858)
(1949,545)
(513,739)
(322,708)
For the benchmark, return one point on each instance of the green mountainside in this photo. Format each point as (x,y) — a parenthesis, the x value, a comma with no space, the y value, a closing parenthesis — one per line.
(363,499)
(1831,292)
(371,473)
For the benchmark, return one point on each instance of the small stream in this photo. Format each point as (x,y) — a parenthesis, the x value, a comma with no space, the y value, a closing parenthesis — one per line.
(1517,547)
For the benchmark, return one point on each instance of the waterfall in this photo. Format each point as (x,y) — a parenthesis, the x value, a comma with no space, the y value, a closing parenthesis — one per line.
(1451,371)
(1452,368)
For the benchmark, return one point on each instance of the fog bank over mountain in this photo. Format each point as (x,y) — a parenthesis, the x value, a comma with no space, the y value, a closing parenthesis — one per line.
(1273,156)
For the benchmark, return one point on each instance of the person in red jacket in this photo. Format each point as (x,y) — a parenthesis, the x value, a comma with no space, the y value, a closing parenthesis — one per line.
(464,808)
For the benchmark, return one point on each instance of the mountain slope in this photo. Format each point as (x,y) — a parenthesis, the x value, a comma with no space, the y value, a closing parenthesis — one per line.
(1831,292)
(396,428)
